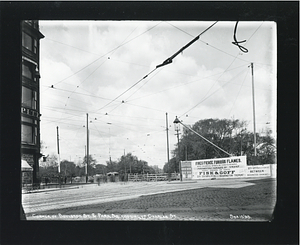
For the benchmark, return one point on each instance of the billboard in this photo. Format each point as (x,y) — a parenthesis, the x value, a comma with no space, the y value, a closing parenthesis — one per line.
(230,167)
(259,170)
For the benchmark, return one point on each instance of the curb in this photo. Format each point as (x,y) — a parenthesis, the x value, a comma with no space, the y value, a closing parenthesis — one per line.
(183,182)
(50,189)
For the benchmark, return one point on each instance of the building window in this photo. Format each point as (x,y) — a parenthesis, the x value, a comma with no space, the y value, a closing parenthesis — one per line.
(29,42)
(27,119)
(29,98)
(28,70)
(28,134)
(35,46)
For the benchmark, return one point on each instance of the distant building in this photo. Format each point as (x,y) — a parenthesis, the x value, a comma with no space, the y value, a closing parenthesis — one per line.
(30,107)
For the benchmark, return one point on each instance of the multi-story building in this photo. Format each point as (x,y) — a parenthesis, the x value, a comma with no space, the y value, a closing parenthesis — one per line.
(30,107)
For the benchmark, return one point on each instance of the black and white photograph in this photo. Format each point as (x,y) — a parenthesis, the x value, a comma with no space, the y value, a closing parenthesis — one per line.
(149,120)
(140,122)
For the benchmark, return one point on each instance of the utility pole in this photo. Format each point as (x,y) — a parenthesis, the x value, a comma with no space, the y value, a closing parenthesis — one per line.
(87,145)
(253,100)
(85,158)
(125,166)
(167,130)
(58,150)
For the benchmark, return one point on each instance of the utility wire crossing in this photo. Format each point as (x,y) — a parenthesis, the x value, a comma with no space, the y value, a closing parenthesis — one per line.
(170,59)
(166,62)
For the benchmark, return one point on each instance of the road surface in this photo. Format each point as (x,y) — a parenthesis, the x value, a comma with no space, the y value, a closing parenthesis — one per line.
(231,199)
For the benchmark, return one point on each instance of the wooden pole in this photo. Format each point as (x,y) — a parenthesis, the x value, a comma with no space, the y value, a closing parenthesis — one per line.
(253,100)
(58,150)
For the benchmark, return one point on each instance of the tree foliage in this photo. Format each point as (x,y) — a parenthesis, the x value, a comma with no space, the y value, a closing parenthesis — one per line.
(125,165)
(172,166)
(67,168)
(229,135)
(129,164)
(51,161)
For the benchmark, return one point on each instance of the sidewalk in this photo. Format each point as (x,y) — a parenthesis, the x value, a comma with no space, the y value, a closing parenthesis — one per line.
(72,186)
(63,187)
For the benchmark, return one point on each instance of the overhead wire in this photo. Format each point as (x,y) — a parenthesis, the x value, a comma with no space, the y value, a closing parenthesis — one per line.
(166,62)
(105,61)
(126,90)
(205,97)
(239,92)
(225,70)
(184,84)
(89,74)
(209,90)
(107,54)
(133,93)
(169,60)
(95,69)
(208,44)
(90,95)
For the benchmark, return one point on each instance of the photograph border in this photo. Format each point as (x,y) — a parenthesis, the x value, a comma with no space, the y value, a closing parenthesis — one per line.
(284,227)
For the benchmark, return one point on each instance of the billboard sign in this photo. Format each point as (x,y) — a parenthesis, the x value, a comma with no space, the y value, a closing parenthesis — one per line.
(259,170)
(230,167)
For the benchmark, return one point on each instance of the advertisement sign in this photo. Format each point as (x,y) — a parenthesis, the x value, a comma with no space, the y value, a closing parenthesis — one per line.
(259,171)
(230,167)
(186,170)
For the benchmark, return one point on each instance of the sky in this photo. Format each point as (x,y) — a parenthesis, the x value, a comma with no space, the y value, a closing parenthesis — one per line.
(103,74)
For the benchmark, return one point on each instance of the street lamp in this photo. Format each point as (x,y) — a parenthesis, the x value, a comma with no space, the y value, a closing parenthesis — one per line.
(177,129)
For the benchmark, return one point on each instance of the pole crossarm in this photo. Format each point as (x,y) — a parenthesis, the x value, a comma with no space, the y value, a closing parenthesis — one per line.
(177,121)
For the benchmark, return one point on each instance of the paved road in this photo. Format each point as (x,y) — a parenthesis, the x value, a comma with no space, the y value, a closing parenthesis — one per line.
(204,200)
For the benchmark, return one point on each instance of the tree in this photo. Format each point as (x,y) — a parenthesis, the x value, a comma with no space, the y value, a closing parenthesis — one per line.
(67,168)
(229,135)
(49,172)
(219,132)
(129,164)
(266,148)
(156,169)
(91,166)
(51,161)
(92,162)
(79,171)
(101,169)
(112,166)
(172,166)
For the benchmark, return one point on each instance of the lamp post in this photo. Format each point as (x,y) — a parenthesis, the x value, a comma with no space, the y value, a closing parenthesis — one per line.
(177,129)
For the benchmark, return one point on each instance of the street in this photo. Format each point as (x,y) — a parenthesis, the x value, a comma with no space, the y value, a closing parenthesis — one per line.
(202,200)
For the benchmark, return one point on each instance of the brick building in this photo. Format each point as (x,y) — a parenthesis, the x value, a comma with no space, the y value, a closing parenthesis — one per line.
(30,107)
